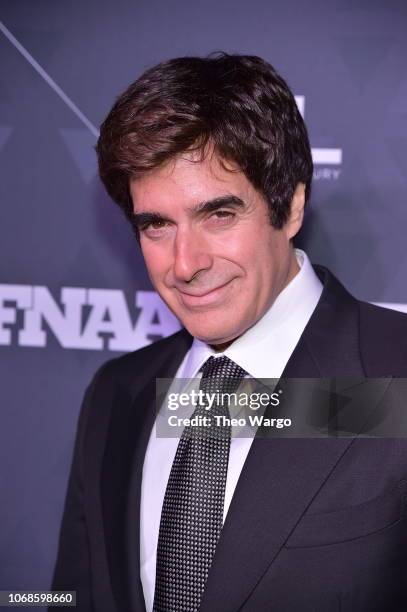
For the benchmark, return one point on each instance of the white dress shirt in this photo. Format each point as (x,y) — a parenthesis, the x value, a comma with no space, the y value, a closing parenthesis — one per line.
(263,351)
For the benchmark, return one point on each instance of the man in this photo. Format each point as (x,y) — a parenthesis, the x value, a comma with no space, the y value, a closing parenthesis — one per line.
(210,161)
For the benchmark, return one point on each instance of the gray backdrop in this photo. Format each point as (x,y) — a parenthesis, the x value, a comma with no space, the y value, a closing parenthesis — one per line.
(73,289)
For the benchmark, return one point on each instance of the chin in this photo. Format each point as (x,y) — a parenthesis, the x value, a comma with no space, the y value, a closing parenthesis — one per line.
(210,333)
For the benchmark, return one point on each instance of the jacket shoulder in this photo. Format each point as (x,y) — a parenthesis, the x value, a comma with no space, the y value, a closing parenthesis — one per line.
(383,340)
(122,369)
(118,380)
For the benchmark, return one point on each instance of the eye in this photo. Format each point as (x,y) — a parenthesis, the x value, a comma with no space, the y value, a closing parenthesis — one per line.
(156,224)
(222,217)
(155,229)
(224,213)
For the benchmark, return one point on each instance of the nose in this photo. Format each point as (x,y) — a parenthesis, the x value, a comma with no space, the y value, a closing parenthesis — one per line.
(191,254)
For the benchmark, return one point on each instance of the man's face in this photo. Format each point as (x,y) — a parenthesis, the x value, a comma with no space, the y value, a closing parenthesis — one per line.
(209,248)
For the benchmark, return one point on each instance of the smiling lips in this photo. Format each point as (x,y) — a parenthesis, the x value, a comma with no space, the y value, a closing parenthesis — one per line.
(203,299)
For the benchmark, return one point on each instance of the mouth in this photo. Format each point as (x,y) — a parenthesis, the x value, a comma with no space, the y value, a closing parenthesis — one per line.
(206,298)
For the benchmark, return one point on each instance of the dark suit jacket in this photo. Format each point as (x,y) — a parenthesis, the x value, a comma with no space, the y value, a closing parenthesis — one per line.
(314,524)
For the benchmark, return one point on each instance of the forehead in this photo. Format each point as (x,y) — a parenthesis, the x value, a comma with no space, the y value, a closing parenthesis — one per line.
(188,179)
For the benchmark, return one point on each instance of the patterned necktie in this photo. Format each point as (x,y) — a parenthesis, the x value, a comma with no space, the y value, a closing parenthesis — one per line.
(192,513)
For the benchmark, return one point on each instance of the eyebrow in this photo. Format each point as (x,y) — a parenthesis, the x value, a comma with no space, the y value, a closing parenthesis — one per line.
(144,218)
(212,205)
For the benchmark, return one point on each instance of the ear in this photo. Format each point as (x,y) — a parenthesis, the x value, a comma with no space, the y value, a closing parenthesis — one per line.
(294,221)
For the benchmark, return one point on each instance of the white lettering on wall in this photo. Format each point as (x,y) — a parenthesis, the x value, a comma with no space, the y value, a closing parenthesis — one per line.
(90,319)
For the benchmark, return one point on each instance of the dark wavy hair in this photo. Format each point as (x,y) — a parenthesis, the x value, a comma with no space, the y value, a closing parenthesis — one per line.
(237,104)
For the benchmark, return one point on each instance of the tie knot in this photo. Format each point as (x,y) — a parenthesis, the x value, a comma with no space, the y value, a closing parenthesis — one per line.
(221,373)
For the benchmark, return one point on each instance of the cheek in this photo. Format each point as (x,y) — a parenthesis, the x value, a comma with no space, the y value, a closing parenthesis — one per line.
(255,251)
(262,259)
(241,246)
(155,260)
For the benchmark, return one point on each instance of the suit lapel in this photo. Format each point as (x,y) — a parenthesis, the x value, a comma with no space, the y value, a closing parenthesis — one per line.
(132,418)
(281,476)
